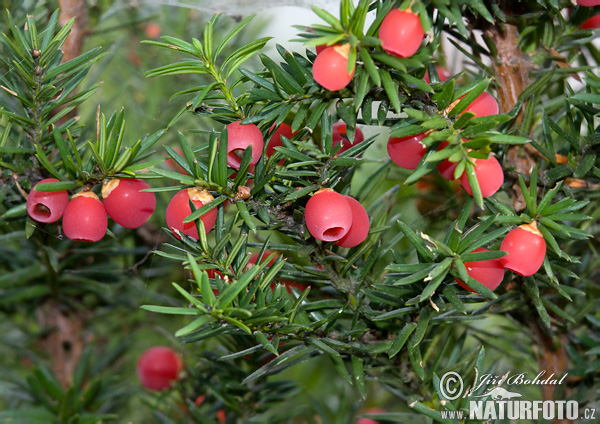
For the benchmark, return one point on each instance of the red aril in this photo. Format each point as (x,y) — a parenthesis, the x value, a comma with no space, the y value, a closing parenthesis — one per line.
(588,3)
(85,218)
(328,215)
(339,136)
(320,48)
(401,33)
(239,137)
(330,68)
(442,72)
(591,23)
(406,152)
(47,206)
(484,105)
(179,209)
(526,249)
(174,165)
(158,367)
(489,272)
(489,175)
(445,167)
(360,225)
(369,420)
(275,137)
(126,204)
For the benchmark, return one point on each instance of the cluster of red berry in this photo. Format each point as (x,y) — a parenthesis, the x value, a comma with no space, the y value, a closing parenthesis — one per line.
(348,225)
(594,21)
(407,152)
(84,217)
(401,34)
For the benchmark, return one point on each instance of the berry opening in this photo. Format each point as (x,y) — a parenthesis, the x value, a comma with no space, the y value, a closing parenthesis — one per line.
(334,233)
(42,210)
(235,157)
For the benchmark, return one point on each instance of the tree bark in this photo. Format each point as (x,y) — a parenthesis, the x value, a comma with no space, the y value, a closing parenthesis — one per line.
(65,339)
(74,43)
(511,68)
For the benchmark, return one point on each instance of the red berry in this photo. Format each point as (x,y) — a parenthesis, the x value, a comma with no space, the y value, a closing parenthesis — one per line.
(328,215)
(275,137)
(330,68)
(158,367)
(442,72)
(591,23)
(85,218)
(445,167)
(221,416)
(339,136)
(152,30)
(484,105)
(526,249)
(179,209)
(406,152)
(360,225)
(320,48)
(489,175)
(489,272)
(588,3)
(174,165)
(47,206)
(126,204)
(288,284)
(401,33)
(239,137)
(369,420)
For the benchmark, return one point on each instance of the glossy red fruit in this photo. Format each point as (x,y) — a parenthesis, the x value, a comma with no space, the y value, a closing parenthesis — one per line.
(330,68)
(152,30)
(489,175)
(591,23)
(174,165)
(320,48)
(401,33)
(179,209)
(275,137)
(406,152)
(288,284)
(526,249)
(484,105)
(369,420)
(239,137)
(443,74)
(490,272)
(47,206)
(588,3)
(85,218)
(360,225)
(445,167)
(339,136)
(158,367)
(126,204)
(328,215)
